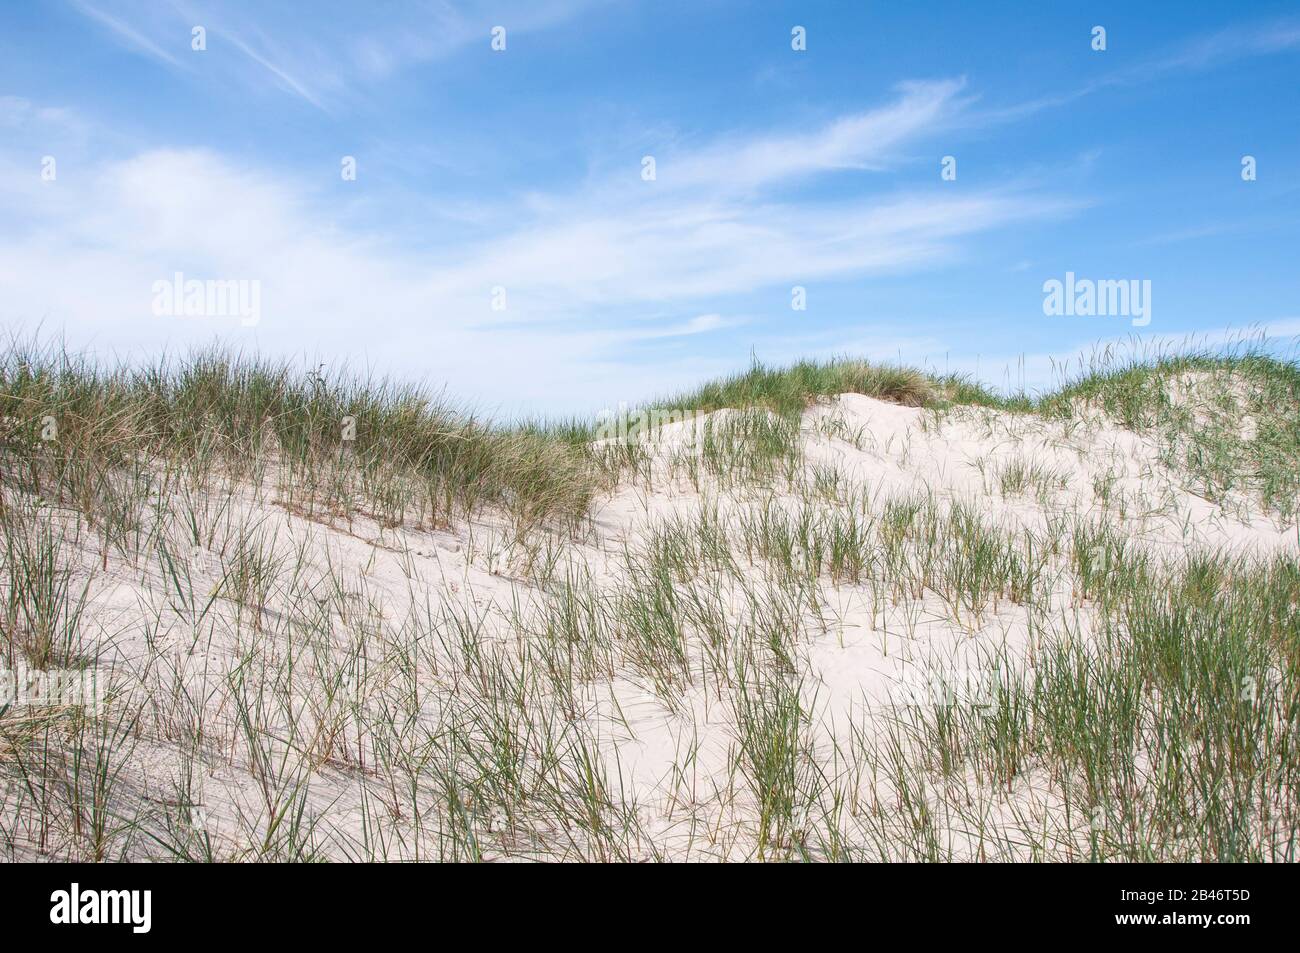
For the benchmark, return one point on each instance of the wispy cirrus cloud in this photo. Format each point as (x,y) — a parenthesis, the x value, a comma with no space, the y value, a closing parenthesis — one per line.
(1223,46)
(326,53)
(129,29)
(1209,51)
(581,270)
(863,141)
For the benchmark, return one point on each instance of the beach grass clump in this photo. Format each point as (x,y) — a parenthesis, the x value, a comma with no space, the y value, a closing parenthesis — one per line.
(1225,419)
(788,390)
(74,427)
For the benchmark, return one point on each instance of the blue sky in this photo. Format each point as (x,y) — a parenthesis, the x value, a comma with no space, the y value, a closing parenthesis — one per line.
(522,170)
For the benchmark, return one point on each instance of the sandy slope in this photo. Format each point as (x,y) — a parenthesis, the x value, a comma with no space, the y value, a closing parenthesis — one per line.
(670,761)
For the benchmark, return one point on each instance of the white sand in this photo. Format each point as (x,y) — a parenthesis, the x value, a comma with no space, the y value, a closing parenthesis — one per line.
(668,761)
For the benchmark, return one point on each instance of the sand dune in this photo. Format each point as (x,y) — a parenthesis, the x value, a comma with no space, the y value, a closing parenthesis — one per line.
(837,634)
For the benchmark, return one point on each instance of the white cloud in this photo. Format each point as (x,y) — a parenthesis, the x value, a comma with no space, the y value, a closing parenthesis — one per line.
(324,53)
(126,33)
(1200,53)
(581,270)
(864,141)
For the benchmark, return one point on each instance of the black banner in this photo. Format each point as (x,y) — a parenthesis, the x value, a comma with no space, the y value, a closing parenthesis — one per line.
(146,903)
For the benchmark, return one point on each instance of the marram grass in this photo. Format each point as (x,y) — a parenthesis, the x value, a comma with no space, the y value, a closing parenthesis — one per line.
(1152,716)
